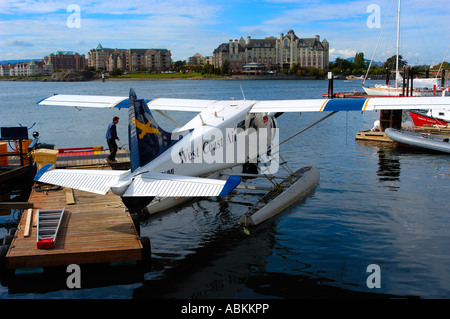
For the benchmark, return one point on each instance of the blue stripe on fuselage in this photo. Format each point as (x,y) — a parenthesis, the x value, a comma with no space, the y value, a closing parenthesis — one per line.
(345,105)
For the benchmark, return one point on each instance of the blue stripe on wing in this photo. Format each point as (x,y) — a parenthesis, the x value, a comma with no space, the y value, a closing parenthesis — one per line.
(345,105)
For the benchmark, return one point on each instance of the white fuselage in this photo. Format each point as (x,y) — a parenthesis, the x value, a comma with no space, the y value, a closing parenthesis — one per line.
(219,139)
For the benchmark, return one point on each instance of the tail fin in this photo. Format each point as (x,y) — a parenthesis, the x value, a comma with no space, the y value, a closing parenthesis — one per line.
(147,139)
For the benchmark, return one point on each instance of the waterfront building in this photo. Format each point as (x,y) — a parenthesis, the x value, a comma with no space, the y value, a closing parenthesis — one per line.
(129,59)
(198,59)
(67,60)
(274,53)
(31,68)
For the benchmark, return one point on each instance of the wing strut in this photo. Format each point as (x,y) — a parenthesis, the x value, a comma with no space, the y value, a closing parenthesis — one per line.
(308,127)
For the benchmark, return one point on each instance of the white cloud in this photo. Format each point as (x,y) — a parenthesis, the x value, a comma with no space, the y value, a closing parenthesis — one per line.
(191,26)
(346,53)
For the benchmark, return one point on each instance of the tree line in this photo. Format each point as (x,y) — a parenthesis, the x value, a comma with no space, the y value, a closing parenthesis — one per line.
(359,66)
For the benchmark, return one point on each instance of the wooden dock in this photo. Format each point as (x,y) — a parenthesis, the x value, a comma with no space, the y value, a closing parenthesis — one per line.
(377,136)
(94,229)
(373,136)
(86,159)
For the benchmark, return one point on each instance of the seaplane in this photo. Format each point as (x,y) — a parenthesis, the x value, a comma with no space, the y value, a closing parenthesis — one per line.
(227,142)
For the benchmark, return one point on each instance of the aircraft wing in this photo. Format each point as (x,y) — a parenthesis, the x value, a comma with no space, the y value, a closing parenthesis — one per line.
(352,104)
(86,101)
(166,104)
(146,184)
(100,101)
(306,105)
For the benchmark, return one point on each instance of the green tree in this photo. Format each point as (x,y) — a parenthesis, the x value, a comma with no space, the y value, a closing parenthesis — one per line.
(445,65)
(359,61)
(208,69)
(225,67)
(116,72)
(391,62)
(179,65)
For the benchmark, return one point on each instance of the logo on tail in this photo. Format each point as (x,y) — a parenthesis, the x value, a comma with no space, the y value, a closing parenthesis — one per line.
(146,129)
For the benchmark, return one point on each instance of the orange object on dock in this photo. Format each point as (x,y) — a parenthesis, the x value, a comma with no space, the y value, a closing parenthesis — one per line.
(4,150)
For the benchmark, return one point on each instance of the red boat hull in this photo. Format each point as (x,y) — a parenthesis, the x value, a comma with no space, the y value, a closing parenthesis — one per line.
(421,119)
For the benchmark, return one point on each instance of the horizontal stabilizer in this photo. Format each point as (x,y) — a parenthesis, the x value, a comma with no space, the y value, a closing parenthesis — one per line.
(94,181)
(165,185)
(146,184)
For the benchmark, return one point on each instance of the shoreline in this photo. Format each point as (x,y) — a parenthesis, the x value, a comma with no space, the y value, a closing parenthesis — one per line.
(164,78)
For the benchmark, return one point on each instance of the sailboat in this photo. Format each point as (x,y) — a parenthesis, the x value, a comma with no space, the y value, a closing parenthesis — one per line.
(422,87)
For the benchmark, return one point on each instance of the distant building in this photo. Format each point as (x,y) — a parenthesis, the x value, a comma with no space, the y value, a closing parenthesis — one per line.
(198,59)
(273,53)
(67,60)
(129,59)
(31,68)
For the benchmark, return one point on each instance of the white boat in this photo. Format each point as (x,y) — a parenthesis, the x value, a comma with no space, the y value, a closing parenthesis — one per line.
(422,87)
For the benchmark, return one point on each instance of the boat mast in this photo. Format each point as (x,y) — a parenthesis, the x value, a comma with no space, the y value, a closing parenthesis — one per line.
(398,45)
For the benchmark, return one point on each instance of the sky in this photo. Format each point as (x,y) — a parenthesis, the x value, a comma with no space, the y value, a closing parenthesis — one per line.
(32,29)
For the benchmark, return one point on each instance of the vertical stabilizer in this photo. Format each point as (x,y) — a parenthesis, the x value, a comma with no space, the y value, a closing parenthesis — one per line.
(147,139)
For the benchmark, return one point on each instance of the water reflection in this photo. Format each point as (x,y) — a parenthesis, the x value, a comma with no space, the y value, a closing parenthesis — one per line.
(389,169)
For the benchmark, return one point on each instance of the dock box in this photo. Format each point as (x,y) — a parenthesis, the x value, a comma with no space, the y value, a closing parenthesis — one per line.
(43,156)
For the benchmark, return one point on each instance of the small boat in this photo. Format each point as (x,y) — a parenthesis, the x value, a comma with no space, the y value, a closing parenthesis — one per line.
(419,140)
(420,118)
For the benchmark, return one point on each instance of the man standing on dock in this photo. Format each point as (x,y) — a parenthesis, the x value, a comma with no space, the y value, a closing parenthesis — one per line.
(111,137)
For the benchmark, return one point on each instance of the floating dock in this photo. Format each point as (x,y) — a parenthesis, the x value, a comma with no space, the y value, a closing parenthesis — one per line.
(373,136)
(75,157)
(94,229)
(345,95)
(377,136)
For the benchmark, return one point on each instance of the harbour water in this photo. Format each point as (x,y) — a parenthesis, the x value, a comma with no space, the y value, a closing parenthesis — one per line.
(375,205)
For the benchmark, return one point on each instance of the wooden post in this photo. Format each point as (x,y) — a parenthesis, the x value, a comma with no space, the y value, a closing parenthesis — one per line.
(404,81)
(330,85)
(443,78)
(407,82)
